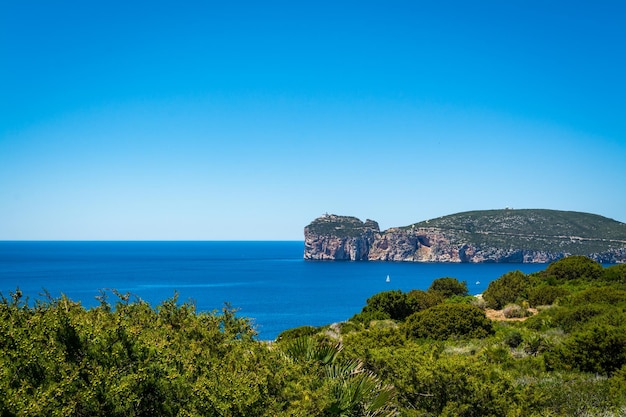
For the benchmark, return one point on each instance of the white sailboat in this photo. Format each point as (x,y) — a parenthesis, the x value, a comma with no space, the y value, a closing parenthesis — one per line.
(388,279)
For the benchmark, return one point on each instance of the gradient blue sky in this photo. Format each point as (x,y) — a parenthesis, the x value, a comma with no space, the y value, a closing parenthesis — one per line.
(246,120)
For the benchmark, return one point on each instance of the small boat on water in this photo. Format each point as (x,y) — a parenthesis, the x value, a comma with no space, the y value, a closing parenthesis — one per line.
(388,279)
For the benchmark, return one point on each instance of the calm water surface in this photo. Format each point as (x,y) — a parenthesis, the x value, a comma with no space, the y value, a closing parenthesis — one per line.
(268,281)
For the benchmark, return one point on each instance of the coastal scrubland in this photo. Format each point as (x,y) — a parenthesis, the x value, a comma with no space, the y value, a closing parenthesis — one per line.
(552,343)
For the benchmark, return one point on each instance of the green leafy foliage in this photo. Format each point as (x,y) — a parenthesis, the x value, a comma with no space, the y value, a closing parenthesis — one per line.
(448,287)
(448,321)
(297,332)
(394,305)
(507,289)
(421,353)
(615,273)
(574,268)
(599,349)
(57,358)
(597,295)
(425,299)
(341,226)
(545,295)
(350,389)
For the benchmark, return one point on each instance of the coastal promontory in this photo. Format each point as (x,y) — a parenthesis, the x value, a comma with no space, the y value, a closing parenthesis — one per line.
(507,235)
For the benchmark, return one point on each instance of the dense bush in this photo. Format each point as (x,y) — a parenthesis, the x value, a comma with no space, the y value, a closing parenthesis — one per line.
(448,287)
(574,268)
(448,321)
(393,305)
(425,299)
(599,349)
(513,339)
(297,332)
(615,273)
(575,318)
(446,358)
(597,295)
(58,359)
(545,295)
(507,289)
(431,384)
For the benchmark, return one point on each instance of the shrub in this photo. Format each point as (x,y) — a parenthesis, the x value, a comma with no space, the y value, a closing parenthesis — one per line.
(545,295)
(422,300)
(600,349)
(574,267)
(458,386)
(448,320)
(448,287)
(297,332)
(365,317)
(535,344)
(513,311)
(574,318)
(460,299)
(506,289)
(601,295)
(479,302)
(394,304)
(349,326)
(513,339)
(615,273)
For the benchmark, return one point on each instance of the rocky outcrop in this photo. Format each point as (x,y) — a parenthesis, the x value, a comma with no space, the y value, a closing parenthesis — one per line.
(333,237)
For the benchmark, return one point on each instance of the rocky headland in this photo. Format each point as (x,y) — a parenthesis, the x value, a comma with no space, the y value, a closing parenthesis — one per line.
(515,236)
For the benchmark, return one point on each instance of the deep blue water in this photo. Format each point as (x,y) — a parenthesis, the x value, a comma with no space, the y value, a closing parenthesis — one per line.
(268,281)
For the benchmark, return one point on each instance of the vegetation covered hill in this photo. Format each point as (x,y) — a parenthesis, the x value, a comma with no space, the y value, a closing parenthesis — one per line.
(529,235)
(340,226)
(416,353)
(538,229)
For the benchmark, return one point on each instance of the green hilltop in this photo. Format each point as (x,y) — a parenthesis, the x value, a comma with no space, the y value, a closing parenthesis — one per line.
(537,229)
(341,226)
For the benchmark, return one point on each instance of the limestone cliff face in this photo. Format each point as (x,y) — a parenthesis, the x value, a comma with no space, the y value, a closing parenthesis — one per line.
(342,238)
(333,237)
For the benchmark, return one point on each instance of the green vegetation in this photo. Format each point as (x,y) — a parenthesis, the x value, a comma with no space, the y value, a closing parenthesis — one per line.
(509,288)
(419,353)
(533,229)
(445,321)
(341,226)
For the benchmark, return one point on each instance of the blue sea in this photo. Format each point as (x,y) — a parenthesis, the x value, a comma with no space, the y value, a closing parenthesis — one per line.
(268,282)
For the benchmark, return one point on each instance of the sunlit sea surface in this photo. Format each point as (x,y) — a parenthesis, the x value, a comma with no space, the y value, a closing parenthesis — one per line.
(268,282)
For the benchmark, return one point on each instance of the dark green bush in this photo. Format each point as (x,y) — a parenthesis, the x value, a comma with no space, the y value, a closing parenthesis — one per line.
(545,295)
(575,318)
(448,287)
(600,349)
(507,289)
(574,267)
(297,332)
(365,317)
(513,339)
(598,295)
(393,305)
(449,321)
(425,299)
(432,385)
(615,273)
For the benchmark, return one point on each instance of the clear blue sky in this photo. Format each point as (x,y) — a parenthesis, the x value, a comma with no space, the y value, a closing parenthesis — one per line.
(238,120)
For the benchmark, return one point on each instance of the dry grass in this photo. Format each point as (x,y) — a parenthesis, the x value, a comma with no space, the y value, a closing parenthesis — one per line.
(498,315)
